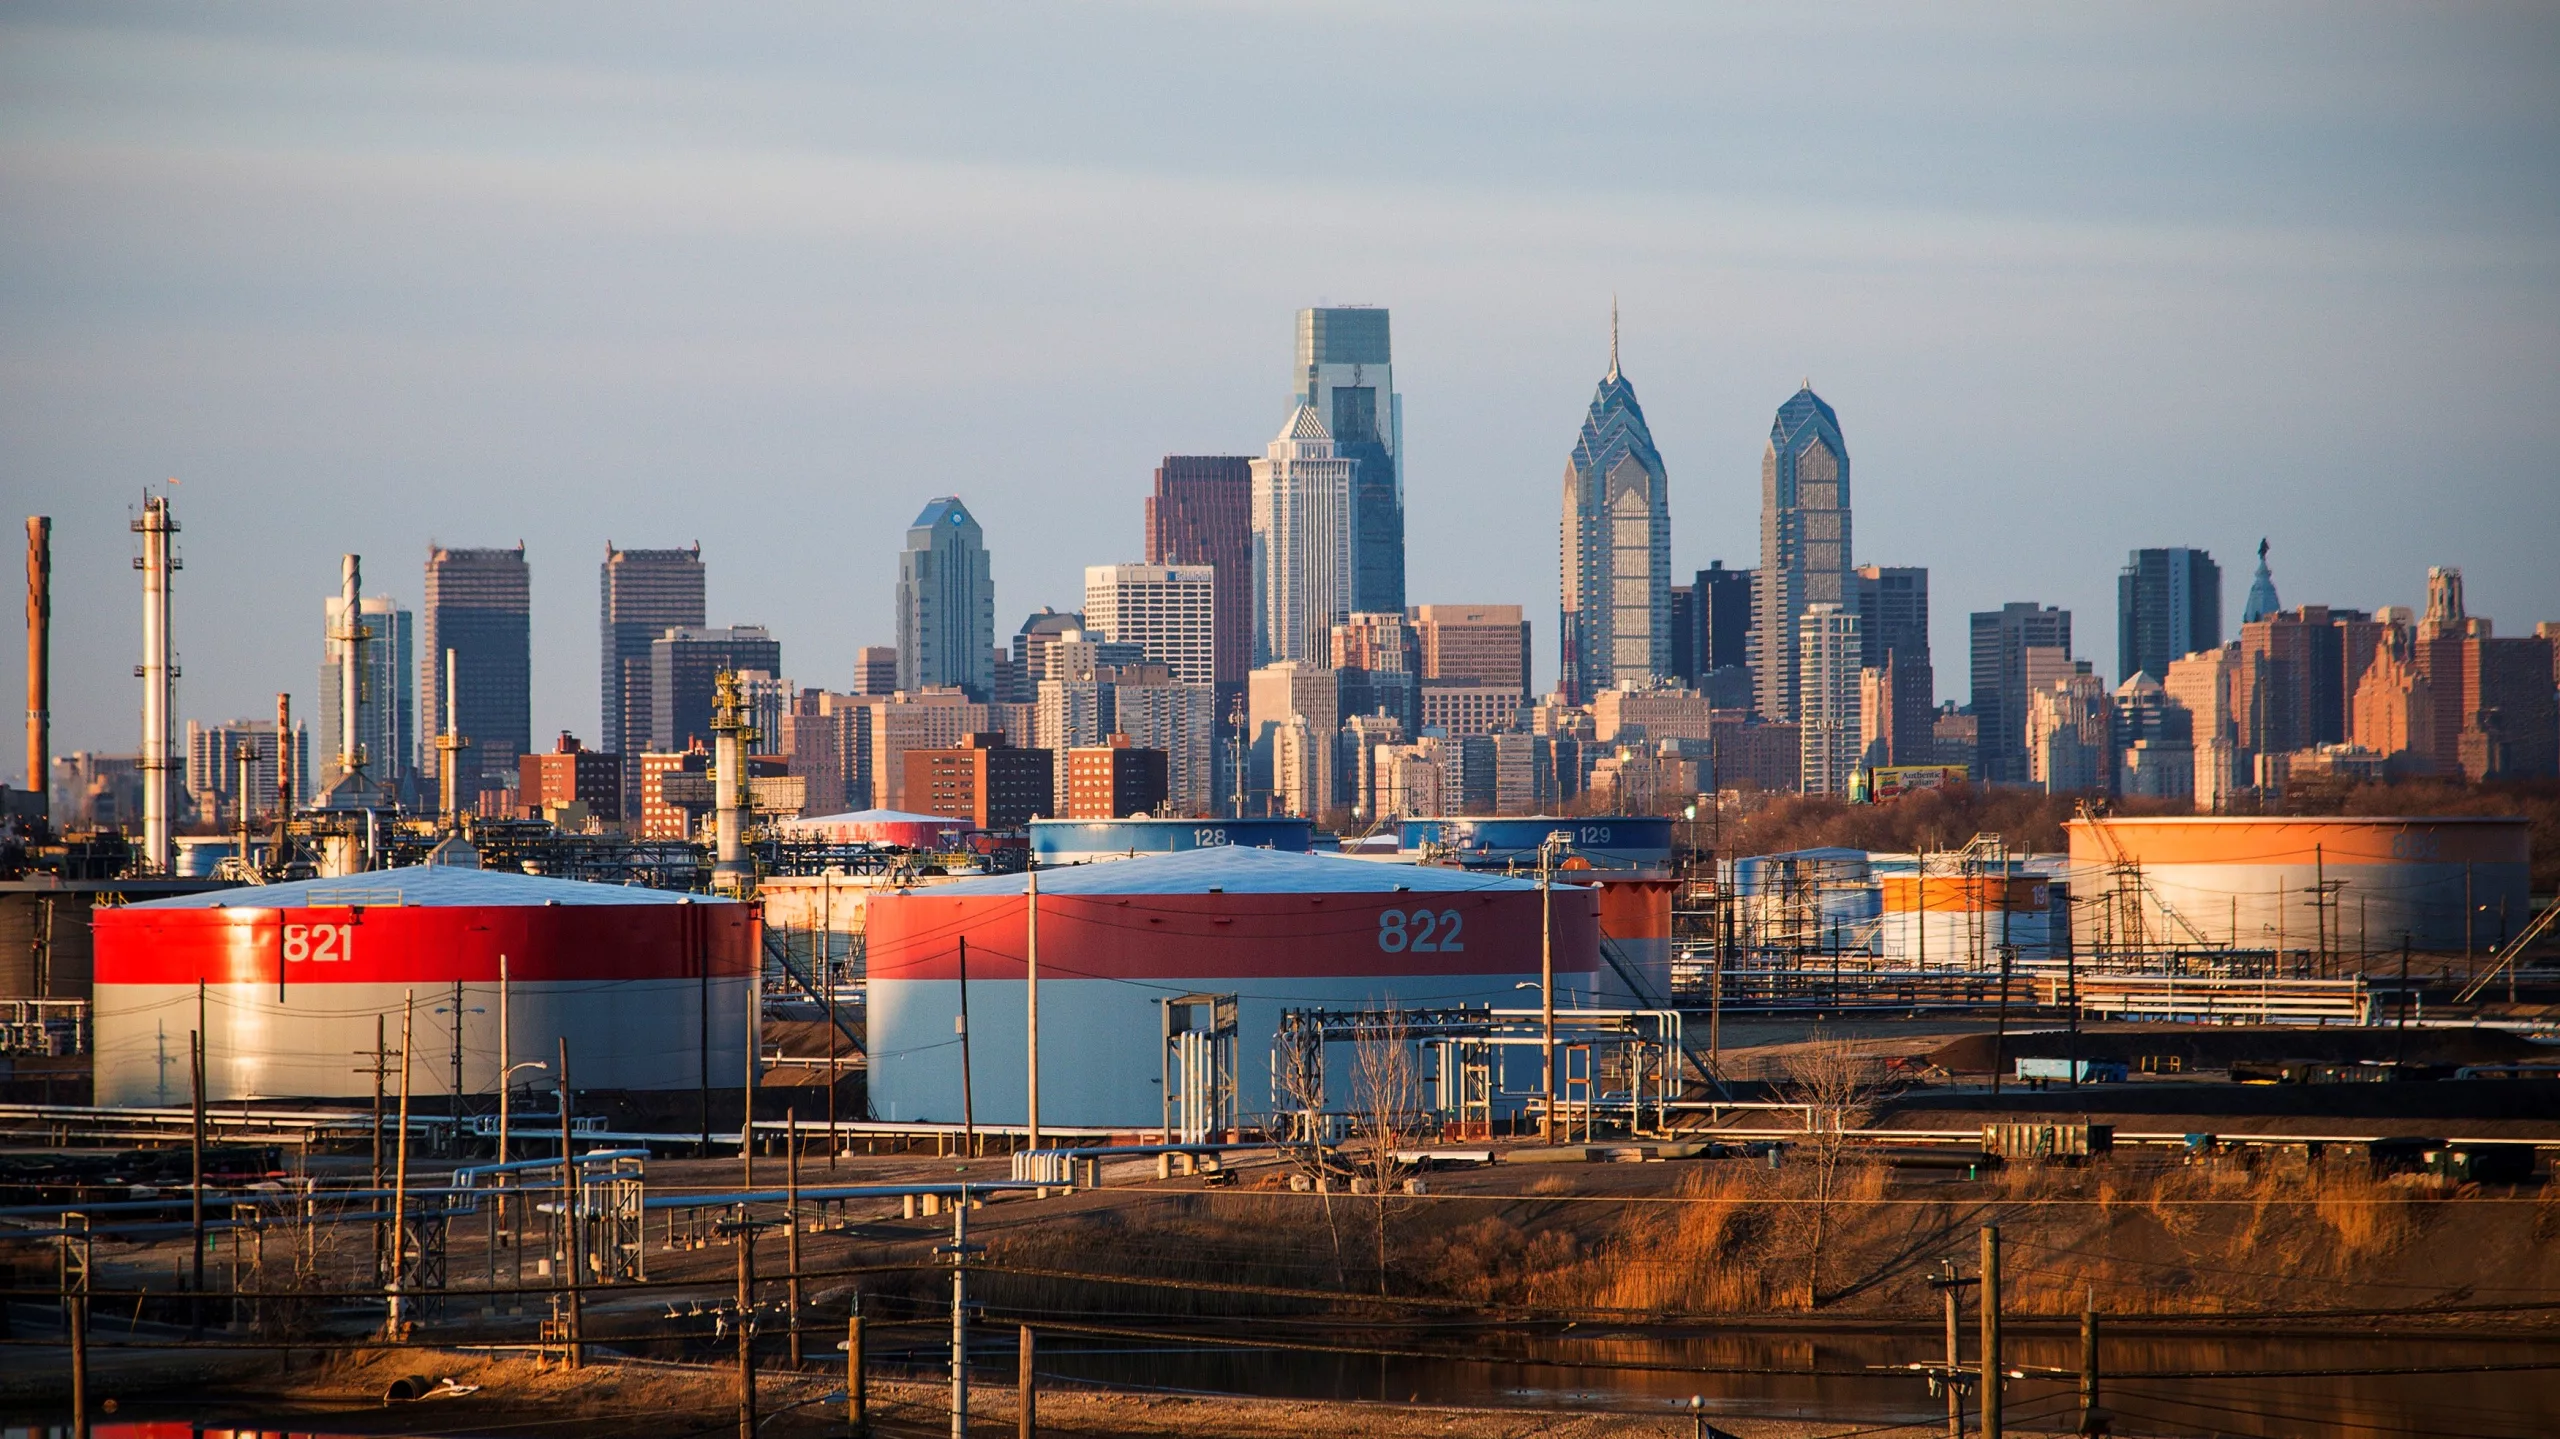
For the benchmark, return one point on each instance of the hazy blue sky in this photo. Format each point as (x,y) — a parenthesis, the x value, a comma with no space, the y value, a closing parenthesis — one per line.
(2077,279)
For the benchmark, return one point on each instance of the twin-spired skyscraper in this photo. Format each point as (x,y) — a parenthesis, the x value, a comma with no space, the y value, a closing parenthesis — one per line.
(1615,624)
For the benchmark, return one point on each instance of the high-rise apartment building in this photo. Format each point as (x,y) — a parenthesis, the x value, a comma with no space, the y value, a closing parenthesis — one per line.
(1170,612)
(684,665)
(1296,771)
(1181,721)
(1804,538)
(946,602)
(2200,684)
(984,780)
(1828,640)
(387,694)
(1345,373)
(2168,605)
(1202,514)
(645,593)
(1114,779)
(875,670)
(573,774)
(1615,624)
(479,607)
(1303,543)
(2069,742)
(2001,639)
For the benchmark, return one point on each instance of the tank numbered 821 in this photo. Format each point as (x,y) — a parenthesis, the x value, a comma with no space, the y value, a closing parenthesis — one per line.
(1420,931)
(319,943)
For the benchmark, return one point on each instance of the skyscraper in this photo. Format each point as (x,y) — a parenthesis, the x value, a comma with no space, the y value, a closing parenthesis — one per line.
(946,602)
(2001,639)
(1804,537)
(1201,513)
(388,722)
(645,594)
(2168,605)
(1303,538)
(1168,611)
(479,605)
(1893,638)
(1616,582)
(1346,375)
(1723,633)
(1827,645)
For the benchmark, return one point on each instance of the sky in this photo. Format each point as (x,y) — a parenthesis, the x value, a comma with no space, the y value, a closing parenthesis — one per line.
(2077,279)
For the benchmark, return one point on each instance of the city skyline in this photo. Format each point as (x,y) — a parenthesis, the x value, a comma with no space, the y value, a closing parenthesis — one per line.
(2058,288)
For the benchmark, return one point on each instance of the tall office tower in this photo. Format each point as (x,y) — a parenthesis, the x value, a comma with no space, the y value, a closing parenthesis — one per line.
(1828,639)
(2001,639)
(480,607)
(1804,537)
(645,594)
(875,670)
(1182,720)
(1488,644)
(1202,514)
(685,662)
(1345,375)
(388,695)
(1720,632)
(1303,551)
(1380,659)
(2200,684)
(2168,605)
(946,603)
(2069,741)
(1168,611)
(1616,620)
(1893,628)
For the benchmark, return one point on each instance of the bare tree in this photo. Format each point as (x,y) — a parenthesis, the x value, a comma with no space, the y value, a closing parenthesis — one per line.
(1837,1085)
(1298,1083)
(1388,1093)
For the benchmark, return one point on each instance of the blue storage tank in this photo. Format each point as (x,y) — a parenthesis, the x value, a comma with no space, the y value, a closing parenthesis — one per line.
(1607,842)
(1081,841)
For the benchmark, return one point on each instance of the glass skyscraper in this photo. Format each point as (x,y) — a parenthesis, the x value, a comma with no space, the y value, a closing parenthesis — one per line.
(946,603)
(479,606)
(1346,374)
(1804,538)
(1616,580)
(2168,606)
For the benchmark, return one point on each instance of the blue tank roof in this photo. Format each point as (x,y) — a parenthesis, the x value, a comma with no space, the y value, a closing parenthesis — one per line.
(428,884)
(1234,869)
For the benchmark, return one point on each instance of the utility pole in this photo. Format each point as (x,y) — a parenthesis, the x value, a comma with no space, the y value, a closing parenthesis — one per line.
(569,1214)
(2000,1028)
(791,1223)
(195,1145)
(2092,1419)
(381,1068)
(1991,1331)
(745,1230)
(856,1373)
(747,1108)
(968,1099)
(960,1249)
(1026,1386)
(392,1315)
(1950,1288)
(2400,1046)
(1031,997)
(1547,979)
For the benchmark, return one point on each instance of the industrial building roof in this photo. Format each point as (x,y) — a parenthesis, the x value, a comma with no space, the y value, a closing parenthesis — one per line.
(1240,869)
(876,816)
(427,884)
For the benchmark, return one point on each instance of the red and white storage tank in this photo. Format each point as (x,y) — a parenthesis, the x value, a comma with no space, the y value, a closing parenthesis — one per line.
(651,989)
(1278,930)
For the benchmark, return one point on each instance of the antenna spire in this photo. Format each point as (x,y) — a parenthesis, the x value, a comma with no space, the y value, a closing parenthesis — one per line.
(1613,336)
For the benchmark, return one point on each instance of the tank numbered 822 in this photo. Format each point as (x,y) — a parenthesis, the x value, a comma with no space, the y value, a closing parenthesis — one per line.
(318,943)
(1420,931)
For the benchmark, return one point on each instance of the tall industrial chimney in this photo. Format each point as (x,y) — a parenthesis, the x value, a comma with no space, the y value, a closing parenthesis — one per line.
(159,679)
(450,743)
(350,634)
(40,662)
(730,735)
(284,776)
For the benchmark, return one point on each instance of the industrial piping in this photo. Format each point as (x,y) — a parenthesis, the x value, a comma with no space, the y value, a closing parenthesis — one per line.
(40,662)
(158,678)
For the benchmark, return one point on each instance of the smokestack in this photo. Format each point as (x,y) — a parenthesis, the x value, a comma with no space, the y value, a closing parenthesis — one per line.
(730,735)
(351,637)
(40,662)
(449,746)
(284,774)
(159,678)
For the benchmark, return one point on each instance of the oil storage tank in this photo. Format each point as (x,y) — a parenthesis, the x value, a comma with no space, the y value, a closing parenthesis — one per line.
(650,989)
(1083,841)
(2300,884)
(1275,930)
